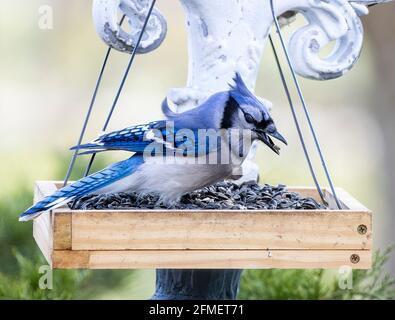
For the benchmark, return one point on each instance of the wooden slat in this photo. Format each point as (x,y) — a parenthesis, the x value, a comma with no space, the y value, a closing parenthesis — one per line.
(62,231)
(348,200)
(42,225)
(45,188)
(52,231)
(68,259)
(123,230)
(42,233)
(203,259)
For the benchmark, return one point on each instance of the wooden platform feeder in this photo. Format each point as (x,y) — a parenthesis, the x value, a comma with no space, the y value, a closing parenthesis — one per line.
(207,239)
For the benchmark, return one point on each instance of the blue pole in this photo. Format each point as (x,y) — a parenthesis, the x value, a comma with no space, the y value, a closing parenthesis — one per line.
(200,284)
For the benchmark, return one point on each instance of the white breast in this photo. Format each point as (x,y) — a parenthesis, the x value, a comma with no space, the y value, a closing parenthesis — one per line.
(173,180)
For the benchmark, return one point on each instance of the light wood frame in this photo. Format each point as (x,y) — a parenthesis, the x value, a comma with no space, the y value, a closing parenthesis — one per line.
(207,239)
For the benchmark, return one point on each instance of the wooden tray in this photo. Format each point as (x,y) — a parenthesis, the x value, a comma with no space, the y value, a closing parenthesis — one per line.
(208,239)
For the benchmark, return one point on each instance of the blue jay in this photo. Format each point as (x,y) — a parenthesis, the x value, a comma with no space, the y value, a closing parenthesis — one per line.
(235,109)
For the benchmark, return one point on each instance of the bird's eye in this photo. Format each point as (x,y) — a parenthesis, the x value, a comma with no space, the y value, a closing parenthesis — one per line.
(249,118)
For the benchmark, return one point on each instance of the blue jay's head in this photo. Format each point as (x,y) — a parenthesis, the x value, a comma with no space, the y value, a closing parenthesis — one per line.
(243,110)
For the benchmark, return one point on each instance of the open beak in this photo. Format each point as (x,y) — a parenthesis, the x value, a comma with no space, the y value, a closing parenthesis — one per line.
(265,137)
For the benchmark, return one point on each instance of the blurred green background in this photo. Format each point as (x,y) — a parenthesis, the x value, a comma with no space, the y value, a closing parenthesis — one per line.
(46,81)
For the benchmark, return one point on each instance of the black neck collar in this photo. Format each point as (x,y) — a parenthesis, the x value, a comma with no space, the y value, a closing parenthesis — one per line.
(230,110)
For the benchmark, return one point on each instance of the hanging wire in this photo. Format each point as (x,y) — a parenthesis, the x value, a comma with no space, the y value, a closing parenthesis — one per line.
(88,114)
(296,120)
(301,97)
(123,81)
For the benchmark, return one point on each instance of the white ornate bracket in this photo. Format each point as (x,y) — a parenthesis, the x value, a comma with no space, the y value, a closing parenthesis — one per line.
(106,20)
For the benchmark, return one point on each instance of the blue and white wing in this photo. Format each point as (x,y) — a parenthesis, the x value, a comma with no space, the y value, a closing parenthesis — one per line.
(138,138)
(133,139)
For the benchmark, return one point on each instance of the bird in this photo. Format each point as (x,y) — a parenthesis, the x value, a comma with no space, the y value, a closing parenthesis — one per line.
(173,156)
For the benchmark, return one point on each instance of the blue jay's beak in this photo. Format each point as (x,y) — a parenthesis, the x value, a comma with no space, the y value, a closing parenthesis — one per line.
(265,137)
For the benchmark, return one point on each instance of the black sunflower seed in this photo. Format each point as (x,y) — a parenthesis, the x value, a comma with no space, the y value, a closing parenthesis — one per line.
(223,195)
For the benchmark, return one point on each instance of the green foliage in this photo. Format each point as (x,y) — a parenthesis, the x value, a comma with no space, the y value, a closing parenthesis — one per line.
(25,284)
(21,259)
(298,284)
(370,284)
(12,232)
(273,284)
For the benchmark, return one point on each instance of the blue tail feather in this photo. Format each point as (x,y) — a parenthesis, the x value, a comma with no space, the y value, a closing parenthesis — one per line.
(84,186)
(86,146)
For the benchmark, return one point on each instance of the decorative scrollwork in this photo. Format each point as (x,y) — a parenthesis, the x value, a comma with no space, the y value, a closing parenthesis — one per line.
(227,36)
(106,17)
(327,21)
